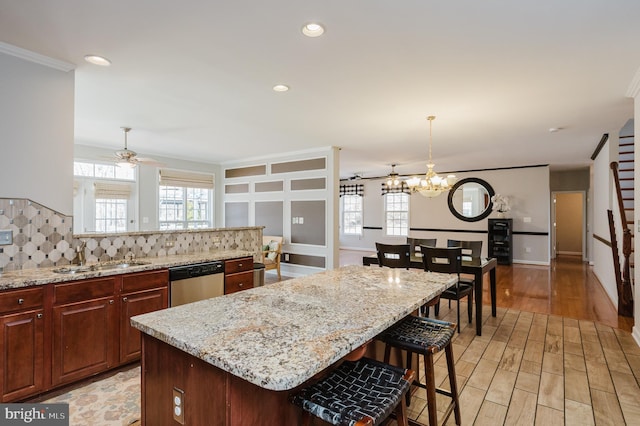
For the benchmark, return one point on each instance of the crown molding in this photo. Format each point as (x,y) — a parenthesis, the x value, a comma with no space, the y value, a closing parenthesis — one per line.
(36,57)
(634,88)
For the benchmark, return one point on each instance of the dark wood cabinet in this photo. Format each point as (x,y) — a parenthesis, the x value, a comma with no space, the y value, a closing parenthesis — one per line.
(56,334)
(238,275)
(85,333)
(21,343)
(141,293)
(501,240)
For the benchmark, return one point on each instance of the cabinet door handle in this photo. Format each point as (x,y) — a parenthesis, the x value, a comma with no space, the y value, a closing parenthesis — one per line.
(20,301)
(239,265)
(240,285)
(111,302)
(124,299)
(39,316)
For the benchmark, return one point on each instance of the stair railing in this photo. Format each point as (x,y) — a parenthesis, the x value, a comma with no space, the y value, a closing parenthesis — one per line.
(623,280)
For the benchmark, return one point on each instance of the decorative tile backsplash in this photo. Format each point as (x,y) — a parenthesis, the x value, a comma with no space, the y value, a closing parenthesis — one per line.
(44,238)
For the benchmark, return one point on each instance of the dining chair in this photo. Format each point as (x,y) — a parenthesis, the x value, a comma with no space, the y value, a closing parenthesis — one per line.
(449,261)
(415,243)
(469,248)
(393,255)
(398,256)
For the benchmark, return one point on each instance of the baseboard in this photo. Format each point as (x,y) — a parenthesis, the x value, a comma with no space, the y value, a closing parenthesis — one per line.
(531,262)
(364,250)
(635,332)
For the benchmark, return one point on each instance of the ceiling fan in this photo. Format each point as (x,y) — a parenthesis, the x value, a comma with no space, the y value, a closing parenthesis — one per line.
(129,158)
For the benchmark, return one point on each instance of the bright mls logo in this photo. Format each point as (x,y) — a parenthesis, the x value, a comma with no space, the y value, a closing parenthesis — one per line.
(34,414)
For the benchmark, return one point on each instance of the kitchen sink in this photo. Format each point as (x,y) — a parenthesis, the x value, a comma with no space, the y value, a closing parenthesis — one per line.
(103,266)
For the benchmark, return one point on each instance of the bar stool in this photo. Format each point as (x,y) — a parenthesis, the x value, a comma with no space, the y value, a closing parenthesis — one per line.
(363,392)
(426,336)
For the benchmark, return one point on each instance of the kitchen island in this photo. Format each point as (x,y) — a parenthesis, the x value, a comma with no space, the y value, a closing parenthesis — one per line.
(233,360)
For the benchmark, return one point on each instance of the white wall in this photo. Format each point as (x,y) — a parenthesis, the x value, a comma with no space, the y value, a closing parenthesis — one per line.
(603,200)
(36,118)
(527,188)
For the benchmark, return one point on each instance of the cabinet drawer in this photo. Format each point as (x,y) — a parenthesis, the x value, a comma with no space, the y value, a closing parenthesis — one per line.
(238,265)
(80,291)
(15,300)
(238,282)
(145,280)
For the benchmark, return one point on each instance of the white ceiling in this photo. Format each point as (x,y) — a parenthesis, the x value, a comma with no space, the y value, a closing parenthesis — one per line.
(193,78)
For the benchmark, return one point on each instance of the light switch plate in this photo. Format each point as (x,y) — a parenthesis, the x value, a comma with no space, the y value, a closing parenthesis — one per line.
(6,237)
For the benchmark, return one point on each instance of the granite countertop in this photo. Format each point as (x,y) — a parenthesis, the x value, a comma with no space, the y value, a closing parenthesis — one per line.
(280,335)
(42,276)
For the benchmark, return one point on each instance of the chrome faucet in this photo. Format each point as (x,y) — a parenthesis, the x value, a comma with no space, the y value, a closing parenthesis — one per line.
(80,258)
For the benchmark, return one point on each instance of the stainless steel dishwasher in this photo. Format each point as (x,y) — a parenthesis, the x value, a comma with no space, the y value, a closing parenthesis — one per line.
(195,282)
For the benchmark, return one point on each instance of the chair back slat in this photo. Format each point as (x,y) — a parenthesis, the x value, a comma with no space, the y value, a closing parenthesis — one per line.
(415,243)
(393,255)
(439,259)
(469,248)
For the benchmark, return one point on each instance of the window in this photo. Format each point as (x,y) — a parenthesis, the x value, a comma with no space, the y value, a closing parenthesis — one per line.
(351,214)
(103,171)
(185,200)
(104,198)
(397,213)
(111,215)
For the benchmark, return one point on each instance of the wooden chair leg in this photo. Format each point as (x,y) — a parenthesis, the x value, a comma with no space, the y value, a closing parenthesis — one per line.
(408,367)
(387,353)
(431,388)
(401,413)
(458,302)
(470,306)
(453,382)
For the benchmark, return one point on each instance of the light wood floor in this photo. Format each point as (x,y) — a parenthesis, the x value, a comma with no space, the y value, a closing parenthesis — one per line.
(557,353)
(568,288)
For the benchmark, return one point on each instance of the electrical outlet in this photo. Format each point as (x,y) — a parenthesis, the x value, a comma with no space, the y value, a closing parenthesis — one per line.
(6,237)
(168,244)
(178,405)
(286,257)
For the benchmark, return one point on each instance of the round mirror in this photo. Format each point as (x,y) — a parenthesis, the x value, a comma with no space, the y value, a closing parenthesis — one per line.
(470,199)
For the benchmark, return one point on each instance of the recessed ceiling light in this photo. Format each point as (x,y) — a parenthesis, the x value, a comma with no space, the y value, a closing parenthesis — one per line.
(97,60)
(313,29)
(555,129)
(280,87)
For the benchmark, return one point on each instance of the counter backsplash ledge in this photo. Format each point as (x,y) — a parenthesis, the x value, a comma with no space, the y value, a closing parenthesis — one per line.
(43,238)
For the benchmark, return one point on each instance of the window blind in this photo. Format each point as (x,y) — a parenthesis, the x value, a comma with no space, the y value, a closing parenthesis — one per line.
(352,189)
(186,179)
(112,190)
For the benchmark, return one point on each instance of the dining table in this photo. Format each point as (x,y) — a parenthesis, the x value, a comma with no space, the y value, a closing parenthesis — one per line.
(477,266)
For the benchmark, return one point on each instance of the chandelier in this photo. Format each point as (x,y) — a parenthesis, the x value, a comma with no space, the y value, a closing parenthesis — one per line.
(431,185)
(393,179)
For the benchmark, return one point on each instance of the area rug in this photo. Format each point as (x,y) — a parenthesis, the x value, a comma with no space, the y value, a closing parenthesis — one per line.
(113,401)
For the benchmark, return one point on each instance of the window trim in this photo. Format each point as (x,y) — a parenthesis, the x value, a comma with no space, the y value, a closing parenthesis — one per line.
(343,211)
(386,212)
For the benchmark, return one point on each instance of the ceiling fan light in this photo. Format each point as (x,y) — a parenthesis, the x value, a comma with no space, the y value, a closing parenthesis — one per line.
(126,164)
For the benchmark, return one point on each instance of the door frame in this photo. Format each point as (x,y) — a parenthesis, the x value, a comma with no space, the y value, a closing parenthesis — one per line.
(552,249)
